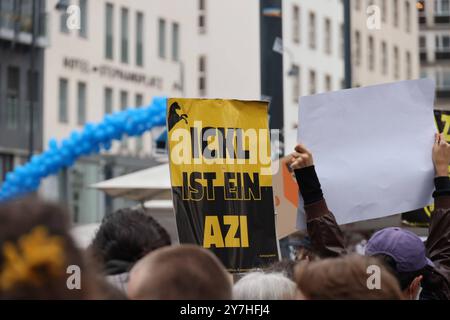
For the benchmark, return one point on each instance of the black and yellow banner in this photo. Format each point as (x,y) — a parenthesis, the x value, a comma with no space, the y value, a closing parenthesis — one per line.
(220,169)
(421,217)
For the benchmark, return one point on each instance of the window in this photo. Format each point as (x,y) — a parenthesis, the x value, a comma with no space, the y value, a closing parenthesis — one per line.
(26,9)
(357,48)
(445,84)
(162,38)
(396,63)
(445,44)
(312,82)
(12,97)
(408,65)
(202,16)
(6,165)
(384,58)
(63,100)
(422,43)
(139,101)
(384,11)
(202,76)
(296,24)
(407,16)
(312,30)
(395,13)
(7,14)
(328,38)
(124,105)
(81,103)
(295,83)
(124,35)
(63,20)
(109,34)
(123,100)
(83,18)
(175,41)
(328,85)
(371,54)
(442,7)
(139,39)
(108,100)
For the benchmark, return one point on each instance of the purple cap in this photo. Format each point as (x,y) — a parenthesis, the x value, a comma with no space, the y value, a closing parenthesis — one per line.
(406,248)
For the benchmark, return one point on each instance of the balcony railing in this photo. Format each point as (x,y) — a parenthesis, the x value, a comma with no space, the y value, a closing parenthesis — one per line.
(443,91)
(423,54)
(442,54)
(442,18)
(422,18)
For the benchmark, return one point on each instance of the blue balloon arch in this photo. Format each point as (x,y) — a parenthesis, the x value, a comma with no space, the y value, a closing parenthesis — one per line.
(91,140)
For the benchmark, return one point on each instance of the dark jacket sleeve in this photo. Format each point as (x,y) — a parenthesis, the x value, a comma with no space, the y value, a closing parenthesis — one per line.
(326,236)
(438,241)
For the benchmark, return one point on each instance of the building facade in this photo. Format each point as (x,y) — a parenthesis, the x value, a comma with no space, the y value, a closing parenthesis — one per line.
(121,54)
(313,55)
(108,55)
(434,42)
(384,41)
(20,66)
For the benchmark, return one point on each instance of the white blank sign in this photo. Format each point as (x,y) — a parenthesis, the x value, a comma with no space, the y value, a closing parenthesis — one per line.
(372,148)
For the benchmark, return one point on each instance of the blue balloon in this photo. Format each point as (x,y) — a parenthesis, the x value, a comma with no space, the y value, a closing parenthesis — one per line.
(129,122)
(53,144)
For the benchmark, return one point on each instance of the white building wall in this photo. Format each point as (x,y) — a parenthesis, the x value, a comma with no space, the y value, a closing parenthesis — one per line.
(390,33)
(229,42)
(308,59)
(437,42)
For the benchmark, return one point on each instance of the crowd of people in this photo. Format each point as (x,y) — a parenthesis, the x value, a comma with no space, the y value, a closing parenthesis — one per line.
(132,257)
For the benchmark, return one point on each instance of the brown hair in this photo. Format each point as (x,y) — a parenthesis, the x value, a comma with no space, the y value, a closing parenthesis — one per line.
(345,278)
(184,272)
(35,235)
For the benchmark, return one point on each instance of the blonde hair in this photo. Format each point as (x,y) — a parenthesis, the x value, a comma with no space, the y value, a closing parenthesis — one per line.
(345,278)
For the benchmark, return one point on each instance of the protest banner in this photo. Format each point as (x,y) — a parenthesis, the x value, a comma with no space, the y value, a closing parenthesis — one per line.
(361,142)
(421,217)
(220,169)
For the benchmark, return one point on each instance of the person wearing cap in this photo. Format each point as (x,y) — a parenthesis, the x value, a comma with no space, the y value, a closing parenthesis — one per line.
(416,265)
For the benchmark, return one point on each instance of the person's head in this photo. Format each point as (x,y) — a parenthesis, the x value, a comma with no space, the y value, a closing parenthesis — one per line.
(37,252)
(128,235)
(264,286)
(404,253)
(346,278)
(185,272)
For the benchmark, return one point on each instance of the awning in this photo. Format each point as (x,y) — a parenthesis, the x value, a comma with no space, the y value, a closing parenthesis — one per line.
(148,184)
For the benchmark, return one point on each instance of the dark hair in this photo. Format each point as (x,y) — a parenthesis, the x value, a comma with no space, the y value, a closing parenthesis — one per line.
(30,228)
(404,278)
(128,235)
(431,281)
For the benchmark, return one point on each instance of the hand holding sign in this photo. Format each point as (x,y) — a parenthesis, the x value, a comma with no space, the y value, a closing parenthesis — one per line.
(441,155)
(301,158)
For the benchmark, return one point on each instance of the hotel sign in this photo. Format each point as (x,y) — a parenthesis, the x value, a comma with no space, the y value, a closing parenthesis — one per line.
(112,72)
